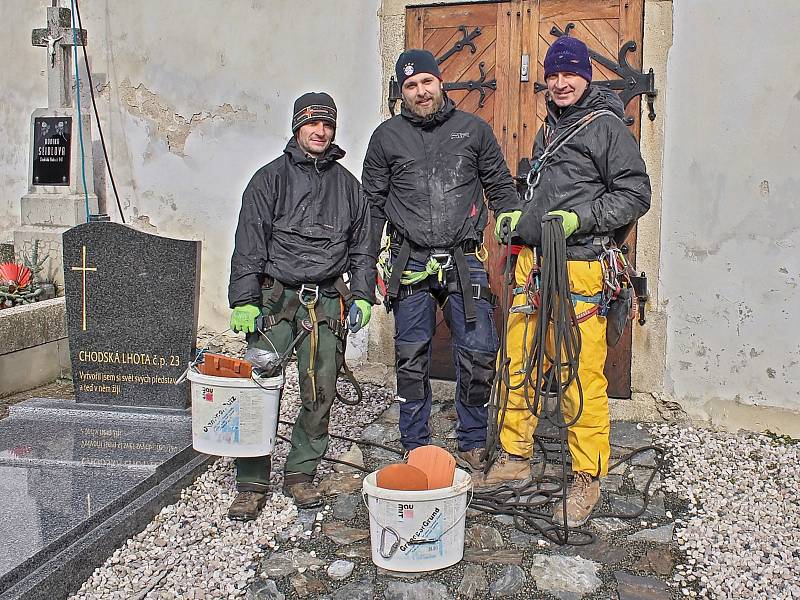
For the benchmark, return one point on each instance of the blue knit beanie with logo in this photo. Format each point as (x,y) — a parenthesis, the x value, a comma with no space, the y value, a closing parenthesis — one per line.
(568,55)
(414,61)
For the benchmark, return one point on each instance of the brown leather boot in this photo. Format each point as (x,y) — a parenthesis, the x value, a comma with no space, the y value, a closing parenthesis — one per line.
(582,497)
(300,487)
(470,459)
(506,469)
(247,506)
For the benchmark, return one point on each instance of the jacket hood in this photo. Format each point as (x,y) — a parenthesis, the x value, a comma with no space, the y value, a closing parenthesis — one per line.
(594,98)
(298,155)
(429,121)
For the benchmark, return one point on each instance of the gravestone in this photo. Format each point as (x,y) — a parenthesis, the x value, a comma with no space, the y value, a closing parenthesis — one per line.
(131,314)
(57,170)
(78,477)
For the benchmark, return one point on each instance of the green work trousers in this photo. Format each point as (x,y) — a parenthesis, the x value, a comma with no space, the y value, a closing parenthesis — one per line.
(310,430)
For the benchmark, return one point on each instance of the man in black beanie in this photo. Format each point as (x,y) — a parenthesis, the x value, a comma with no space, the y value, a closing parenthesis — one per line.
(303,224)
(426,171)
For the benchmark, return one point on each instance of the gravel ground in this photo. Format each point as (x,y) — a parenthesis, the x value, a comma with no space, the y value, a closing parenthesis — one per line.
(192,550)
(741,536)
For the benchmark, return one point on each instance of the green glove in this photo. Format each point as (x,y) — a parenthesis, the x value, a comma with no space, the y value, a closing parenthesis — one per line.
(569,221)
(360,312)
(513,218)
(243,318)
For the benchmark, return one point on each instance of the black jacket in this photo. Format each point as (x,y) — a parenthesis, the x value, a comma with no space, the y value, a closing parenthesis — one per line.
(302,221)
(599,175)
(427,177)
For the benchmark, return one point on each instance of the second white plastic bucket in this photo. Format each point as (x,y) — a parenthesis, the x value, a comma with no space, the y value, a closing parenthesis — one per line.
(412,531)
(234,416)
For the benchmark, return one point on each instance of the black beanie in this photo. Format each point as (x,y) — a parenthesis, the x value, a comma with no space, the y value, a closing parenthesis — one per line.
(415,61)
(313,106)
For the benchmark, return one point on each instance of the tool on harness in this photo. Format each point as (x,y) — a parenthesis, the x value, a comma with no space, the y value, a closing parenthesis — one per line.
(308,296)
(447,264)
(618,299)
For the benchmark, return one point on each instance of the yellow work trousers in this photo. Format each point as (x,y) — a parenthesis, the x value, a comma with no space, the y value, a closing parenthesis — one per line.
(588,438)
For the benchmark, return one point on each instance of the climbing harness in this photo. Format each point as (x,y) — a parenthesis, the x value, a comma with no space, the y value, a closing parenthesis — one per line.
(448,265)
(308,296)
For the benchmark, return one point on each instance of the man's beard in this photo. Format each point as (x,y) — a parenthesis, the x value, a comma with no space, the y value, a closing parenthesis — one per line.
(422,111)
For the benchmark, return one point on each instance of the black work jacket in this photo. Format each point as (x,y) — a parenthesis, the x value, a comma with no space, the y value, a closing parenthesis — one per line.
(599,175)
(427,177)
(303,220)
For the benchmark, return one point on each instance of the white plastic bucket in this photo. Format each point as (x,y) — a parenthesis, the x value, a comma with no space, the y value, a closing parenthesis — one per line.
(234,416)
(413,531)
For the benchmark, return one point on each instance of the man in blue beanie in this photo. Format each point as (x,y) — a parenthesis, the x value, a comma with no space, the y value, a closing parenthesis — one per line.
(588,171)
(426,171)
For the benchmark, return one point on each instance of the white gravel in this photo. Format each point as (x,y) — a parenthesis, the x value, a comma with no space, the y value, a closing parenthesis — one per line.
(742,533)
(191,550)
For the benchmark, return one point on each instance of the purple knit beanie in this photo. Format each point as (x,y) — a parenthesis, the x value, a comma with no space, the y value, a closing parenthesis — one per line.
(568,55)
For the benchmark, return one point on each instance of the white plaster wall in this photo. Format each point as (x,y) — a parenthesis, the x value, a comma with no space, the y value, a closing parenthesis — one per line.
(194,97)
(730,241)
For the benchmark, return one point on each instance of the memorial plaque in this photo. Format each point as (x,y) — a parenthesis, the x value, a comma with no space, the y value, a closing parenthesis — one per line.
(51,150)
(132,301)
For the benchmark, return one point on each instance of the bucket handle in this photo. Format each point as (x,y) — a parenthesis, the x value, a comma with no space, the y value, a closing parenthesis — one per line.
(413,541)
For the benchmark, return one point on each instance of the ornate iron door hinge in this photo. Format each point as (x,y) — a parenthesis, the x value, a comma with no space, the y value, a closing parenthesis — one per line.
(632,83)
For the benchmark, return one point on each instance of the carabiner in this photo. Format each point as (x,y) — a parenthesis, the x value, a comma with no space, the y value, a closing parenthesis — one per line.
(308,289)
(446,263)
(395,545)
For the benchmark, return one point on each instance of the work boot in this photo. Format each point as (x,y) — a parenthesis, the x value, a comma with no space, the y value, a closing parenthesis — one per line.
(247,506)
(582,497)
(470,459)
(300,487)
(508,468)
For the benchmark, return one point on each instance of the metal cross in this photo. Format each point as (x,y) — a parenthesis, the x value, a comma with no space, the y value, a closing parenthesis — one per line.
(83,268)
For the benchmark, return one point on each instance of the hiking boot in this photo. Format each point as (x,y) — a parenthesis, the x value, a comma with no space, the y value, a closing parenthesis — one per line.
(582,497)
(470,459)
(508,468)
(300,487)
(247,506)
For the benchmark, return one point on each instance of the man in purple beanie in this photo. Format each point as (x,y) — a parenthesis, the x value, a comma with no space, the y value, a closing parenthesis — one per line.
(586,169)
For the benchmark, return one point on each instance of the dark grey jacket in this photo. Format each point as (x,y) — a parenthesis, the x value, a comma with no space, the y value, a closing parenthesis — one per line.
(302,221)
(599,175)
(427,177)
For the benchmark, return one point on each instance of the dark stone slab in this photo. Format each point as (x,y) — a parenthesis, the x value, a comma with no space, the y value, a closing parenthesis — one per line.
(633,587)
(629,436)
(601,550)
(624,505)
(132,301)
(77,482)
(57,433)
(657,560)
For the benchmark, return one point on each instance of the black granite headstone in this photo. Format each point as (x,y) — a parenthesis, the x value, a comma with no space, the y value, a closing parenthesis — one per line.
(132,302)
(51,150)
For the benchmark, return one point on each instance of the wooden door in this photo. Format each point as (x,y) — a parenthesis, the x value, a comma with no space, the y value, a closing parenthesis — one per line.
(490,60)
